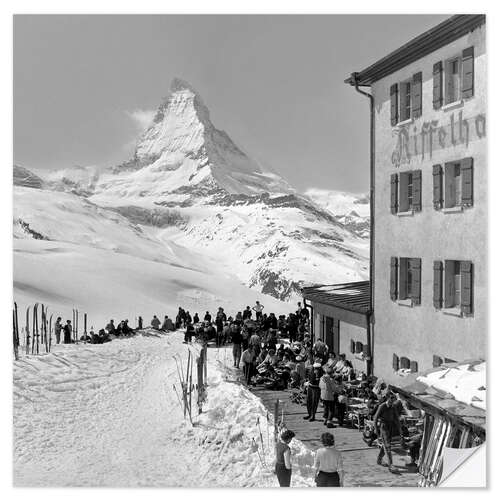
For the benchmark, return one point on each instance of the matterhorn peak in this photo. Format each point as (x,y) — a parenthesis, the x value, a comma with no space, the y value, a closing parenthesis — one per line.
(178,84)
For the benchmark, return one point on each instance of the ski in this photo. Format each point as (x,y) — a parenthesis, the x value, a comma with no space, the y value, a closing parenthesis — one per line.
(50,332)
(15,332)
(27,330)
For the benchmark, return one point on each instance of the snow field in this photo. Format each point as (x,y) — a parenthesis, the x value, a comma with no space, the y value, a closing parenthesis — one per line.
(107,415)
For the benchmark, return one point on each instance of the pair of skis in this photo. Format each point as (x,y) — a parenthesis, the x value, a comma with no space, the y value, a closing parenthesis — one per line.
(15,332)
(75,325)
(40,333)
(186,384)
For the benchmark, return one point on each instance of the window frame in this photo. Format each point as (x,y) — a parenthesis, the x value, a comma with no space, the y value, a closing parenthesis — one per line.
(447,101)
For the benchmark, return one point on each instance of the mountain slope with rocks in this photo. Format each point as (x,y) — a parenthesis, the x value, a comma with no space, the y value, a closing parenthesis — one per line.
(190,185)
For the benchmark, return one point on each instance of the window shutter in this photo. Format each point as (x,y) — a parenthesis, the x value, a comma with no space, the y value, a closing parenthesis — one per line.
(394,104)
(436,361)
(404,363)
(394,278)
(466,282)
(437,180)
(413,366)
(437,85)
(449,284)
(359,347)
(417,190)
(366,350)
(353,346)
(466,174)
(415,267)
(416,95)
(468,73)
(403,192)
(403,270)
(438,284)
(449,187)
(395,362)
(394,193)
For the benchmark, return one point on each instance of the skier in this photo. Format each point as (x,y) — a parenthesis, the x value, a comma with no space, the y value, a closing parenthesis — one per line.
(68,330)
(187,318)
(196,318)
(188,335)
(258,308)
(208,317)
(283,468)
(155,323)
(57,330)
(140,323)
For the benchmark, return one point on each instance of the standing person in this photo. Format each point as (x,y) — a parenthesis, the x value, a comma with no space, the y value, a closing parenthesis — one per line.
(208,317)
(283,467)
(313,392)
(247,313)
(258,308)
(140,323)
(341,400)
(248,358)
(57,330)
(196,318)
(68,330)
(110,327)
(188,335)
(387,426)
(155,323)
(236,339)
(328,465)
(328,396)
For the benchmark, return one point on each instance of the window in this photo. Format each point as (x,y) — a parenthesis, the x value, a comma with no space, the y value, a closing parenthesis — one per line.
(406,99)
(452,80)
(458,79)
(406,192)
(405,279)
(457,289)
(458,184)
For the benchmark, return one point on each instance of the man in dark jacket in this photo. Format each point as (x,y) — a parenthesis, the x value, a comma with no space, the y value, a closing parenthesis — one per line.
(68,330)
(387,426)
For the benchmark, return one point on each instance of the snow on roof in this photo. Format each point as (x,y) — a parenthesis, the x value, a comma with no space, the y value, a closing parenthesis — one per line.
(465,381)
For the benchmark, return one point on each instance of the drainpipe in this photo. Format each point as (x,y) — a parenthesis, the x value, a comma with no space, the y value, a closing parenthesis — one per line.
(354,78)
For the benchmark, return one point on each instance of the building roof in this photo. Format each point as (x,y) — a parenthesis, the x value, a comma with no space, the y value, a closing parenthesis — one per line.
(457,390)
(444,33)
(353,296)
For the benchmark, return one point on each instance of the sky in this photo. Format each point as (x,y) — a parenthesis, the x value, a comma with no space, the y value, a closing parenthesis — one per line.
(84,86)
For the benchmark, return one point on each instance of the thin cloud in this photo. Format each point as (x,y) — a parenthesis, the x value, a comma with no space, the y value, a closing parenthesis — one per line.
(142,118)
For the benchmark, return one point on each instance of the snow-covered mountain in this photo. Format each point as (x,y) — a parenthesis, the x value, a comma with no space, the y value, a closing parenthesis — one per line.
(188,184)
(352,210)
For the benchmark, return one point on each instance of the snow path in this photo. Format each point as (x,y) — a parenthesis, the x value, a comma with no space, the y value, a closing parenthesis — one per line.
(107,415)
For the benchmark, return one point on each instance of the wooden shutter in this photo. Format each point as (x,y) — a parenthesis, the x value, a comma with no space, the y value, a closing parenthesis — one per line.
(395,362)
(436,361)
(394,193)
(438,284)
(404,363)
(413,366)
(449,283)
(366,350)
(394,278)
(437,85)
(403,271)
(415,269)
(353,346)
(403,192)
(416,95)
(437,183)
(468,72)
(449,185)
(417,190)
(466,174)
(394,104)
(466,282)
(359,347)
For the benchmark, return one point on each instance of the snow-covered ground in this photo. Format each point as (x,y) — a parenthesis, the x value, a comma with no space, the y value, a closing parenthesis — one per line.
(107,415)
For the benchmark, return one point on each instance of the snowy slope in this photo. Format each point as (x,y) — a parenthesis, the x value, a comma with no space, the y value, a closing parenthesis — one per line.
(69,253)
(188,183)
(107,415)
(352,210)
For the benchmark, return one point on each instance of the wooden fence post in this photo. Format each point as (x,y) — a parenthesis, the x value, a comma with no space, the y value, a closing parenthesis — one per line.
(276,413)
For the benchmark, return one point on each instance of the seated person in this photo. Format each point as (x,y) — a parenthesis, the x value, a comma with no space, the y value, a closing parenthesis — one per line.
(271,360)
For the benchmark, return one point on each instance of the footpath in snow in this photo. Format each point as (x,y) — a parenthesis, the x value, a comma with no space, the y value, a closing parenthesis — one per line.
(107,415)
